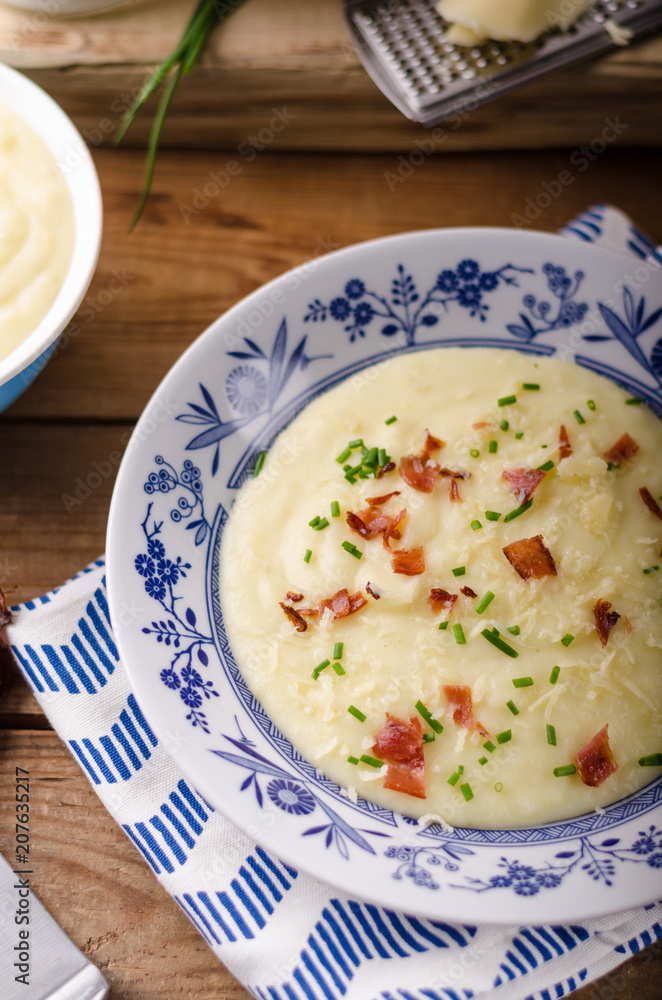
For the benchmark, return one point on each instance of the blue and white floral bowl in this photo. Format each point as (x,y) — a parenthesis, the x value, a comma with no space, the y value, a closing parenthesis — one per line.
(223,403)
(73,158)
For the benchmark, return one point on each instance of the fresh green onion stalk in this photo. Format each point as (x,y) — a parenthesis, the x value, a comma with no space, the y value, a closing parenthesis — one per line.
(180,62)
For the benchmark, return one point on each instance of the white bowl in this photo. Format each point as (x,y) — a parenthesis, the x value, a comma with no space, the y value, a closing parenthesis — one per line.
(73,158)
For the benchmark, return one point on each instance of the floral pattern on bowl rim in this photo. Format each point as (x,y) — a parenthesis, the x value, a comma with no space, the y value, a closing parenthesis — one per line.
(201,437)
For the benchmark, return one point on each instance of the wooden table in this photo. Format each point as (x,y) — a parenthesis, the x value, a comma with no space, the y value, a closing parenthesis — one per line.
(177,276)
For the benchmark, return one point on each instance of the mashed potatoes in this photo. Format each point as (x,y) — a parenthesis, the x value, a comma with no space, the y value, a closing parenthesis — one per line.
(36,230)
(570,640)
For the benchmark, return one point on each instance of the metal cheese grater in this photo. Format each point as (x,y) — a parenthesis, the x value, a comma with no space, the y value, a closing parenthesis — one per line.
(400,43)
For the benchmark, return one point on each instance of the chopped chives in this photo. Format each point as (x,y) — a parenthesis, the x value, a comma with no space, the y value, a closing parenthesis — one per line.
(567,639)
(357,713)
(513,707)
(652,760)
(443,625)
(489,746)
(338,650)
(335,508)
(507,400)
(350,479)
(358,443)
(498,787)
(562,772)
(484,602)
(338,669)
(343,456)
(651,569)
(522,509)
(459,571)
(352,760)
(578,417)
(432,723)
(259,463)
(514,629)
(504,425)
(364,451)
(315,521)
(546,466)
(319,668)
(519,435)
(382,457)
(466,791)
(323,523)
(633,401)
(429,737)
(460,768)
(554,676)
(458,632)
(354,471)
(499,643)
(551,735)
(307,556)
(391,420)
(371,457)
(522,682)
(590,404)
(482,761)
(475,525)
(492,447)
(531,386)
(454,778)
(495,631)
(504,737)
(352,549)
(492,515)
(371,761)
(474,453)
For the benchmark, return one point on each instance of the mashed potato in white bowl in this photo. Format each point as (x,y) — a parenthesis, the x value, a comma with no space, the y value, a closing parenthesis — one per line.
(50,228)
(277,603)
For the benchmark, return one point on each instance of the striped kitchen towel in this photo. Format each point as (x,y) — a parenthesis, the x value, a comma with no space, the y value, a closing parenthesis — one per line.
(281,933)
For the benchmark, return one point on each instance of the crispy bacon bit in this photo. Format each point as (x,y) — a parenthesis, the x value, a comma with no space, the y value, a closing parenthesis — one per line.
(373,593)
(342,603)
(418,472)
(624,449)
(468,592)
(389,467)
(400,744)
(6,657)
(368,523)
(6,616)
(650,502)
(523,482)
(604,620)
(308,612)
(431,445)
(565,450)
(481,424)
(595,762)
(291,595)
(461,705)
(453,492)
(393,531)
(294,616)
(454,473)
(378,501)
(409,562)
(530,557)
(440,600)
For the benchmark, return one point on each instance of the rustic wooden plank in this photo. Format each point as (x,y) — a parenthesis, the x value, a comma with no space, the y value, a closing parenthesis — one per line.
(106,898)
(155,290)
(299,55)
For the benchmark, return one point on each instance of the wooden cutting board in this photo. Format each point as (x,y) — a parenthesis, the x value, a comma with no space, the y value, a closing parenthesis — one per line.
(296,57)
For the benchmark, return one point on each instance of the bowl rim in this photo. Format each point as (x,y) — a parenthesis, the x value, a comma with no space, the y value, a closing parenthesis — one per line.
(75,162)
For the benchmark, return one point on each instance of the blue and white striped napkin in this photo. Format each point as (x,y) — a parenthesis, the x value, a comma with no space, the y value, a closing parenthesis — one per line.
(284,935)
